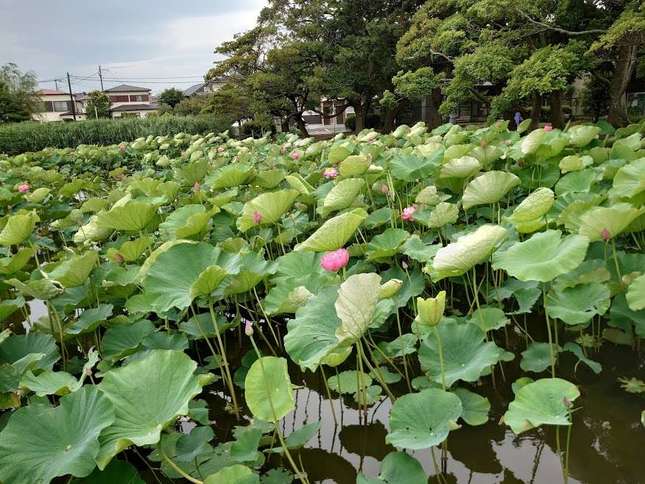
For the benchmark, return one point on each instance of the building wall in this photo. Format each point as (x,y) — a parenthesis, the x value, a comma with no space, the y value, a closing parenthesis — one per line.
(124,98)
(49,116)
(138,114)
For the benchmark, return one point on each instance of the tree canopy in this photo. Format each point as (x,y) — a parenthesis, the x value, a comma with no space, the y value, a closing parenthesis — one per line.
(97,105)
(18,98)
(511,55)
(171,97)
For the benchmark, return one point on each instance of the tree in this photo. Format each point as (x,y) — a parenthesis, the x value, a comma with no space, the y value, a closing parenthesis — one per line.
(230,101)
(18,97)
(191,105)
(171,97)
(97,105)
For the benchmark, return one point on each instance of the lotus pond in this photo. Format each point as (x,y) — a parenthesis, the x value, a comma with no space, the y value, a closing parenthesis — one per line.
(453,305)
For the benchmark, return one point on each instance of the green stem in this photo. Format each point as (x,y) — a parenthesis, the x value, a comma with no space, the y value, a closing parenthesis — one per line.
(440,347)
(229,378)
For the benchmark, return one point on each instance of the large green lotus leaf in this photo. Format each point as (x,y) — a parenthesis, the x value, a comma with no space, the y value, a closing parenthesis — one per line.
(535,206)
(576,182)
(487,188)
(422,420)
(543,402)
(532,141)
(185,222)
(169,281)
(475,407)
(269,179)
(233,474)
(469,250)
(297,182)
(467,356)
(18,228)
(442,214)
(118,471)
(386,244)
(614,219)
(489,318)
(10,306)
(636,294)
(339,151)
(462,167)
(582,358)
(311,334)
(575,163)
(193,172)
(208,281)
(44,289)
(335,232)
(20,346)
(40,443)
(573,206)
(50,383)
(90,319)
(269,206)
(622,316)
(123,340)
(252,269)
(578,304)
(356,305)
(416,249)
(342,195)
(168,382)
(397,468)
(267,389)
(411,167)
(131,216)
(286,296)
(347,382)
(131,250)
(12,264)
(543,257)
(354,165)
(537,357)
(629,180)
(91,232)
(74,271)
(581,135)
(487,154)
(229,176)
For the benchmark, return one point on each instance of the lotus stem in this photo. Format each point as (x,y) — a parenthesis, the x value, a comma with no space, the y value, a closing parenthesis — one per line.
(548,331)
(376,371)
(176,468)
(266,317)
(331,401)
(229,378)
(613,253)
(441,365)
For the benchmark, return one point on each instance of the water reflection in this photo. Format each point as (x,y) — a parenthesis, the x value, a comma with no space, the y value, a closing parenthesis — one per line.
(607,441)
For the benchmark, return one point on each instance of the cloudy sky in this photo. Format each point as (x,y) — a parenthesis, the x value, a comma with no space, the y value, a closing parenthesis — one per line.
(150,43)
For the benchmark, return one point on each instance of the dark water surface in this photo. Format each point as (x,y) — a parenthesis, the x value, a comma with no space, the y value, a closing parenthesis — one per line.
(607,439)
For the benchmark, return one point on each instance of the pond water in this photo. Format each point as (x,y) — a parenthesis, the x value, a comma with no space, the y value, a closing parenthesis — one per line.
(607,440)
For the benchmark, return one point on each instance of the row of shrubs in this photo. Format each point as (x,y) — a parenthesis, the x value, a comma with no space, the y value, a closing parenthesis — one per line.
(31,136)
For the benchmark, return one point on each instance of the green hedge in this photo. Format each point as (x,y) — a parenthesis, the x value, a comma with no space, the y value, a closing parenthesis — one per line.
(30,136)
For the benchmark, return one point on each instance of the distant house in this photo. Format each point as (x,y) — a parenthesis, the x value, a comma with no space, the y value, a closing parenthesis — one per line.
(57,106)
(130,101)
(204,88)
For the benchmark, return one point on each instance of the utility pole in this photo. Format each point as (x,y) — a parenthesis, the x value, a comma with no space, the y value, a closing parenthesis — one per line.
(101,77)
(71,97)
(56,83)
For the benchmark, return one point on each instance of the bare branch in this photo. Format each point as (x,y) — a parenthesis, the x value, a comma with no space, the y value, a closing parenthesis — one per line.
(555,28)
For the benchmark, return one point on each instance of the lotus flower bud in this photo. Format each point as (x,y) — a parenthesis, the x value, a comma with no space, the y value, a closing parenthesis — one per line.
(23,187)
(430,310)
(197,187)
(248,328)
(548,127)
(335,261)
(605,234)
(295,155)
(257,217)
(390,288)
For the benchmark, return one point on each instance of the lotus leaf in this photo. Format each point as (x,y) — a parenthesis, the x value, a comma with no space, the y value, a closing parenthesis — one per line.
(608,221)
(463,167)
(132,216)
(266,209)
(356,305)
(354,165)
(342,195)
(74,271)
(185,222)
(443,214)
(18,228)
(170,383)
(267,389)
(335,232)
(62,440)
(397,468)
(543,257)
(487,188)
(233,474)
(422,420)
(466,355)
(475,407)
(636,294)
(386,244)
(469,250)
(538,357)
(535,206)
(629,180)
(578,304)
(543,402)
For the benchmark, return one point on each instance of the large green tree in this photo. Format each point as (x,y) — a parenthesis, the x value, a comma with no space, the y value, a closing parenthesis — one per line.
(97,105)
(18,97)
(171,97)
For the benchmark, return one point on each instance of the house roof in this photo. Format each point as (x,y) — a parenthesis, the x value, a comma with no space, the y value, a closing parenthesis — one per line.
(135,107)
(127,88)
(51,92)
(193,89)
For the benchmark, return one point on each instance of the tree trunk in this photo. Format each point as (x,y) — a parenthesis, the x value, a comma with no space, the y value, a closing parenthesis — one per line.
(284,125)
(432,115)
(361,115)
(389,118)
(625,62)
(557,118)
(536,111)
(302,127)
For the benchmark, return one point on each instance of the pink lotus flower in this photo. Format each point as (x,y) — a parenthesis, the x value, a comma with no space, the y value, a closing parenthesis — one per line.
(408,212)
(548,127)
(257,217)
(605,234)
(295,155)
(197,187)
(123,147)
(330,173)
(248,328)
(23,187)
(335,261)
(221,149)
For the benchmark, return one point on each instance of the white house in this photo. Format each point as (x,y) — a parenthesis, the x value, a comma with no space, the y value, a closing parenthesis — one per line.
(204,88)
(57,106)
(130,101)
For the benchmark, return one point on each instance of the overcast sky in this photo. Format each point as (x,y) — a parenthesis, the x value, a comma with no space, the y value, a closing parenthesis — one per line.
(149,43)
